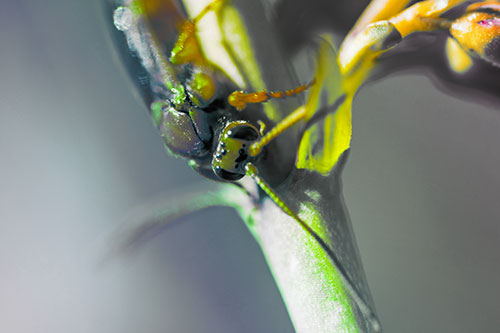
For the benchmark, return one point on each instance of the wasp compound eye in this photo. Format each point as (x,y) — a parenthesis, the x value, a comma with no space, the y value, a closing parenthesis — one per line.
(180,135)
(231,155)
(243,132)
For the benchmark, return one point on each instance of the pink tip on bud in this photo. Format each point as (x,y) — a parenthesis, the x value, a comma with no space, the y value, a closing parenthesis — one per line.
(493,22)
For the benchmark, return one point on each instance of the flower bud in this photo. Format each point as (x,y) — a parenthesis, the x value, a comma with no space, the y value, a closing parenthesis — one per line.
(478,32)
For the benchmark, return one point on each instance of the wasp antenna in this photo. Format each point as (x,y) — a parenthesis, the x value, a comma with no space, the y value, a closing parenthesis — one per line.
(240,99)
(291,92)
(251,170)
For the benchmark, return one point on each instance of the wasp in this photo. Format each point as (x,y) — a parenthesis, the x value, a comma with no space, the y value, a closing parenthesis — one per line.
(203,114)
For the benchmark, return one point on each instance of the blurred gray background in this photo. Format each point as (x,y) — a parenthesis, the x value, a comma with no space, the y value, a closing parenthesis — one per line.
(78,151)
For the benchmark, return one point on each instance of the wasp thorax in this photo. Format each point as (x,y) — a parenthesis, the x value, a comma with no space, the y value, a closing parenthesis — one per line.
(231,155)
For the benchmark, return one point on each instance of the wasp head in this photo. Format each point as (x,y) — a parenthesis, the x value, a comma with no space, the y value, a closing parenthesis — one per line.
(231,155)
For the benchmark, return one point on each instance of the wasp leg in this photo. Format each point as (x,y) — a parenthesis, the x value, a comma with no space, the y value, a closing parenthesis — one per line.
(187,48)
(252,172)
(293,118)
(211,6)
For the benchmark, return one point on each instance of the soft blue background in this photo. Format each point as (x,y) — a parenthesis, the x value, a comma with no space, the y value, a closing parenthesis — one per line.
(78,151)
